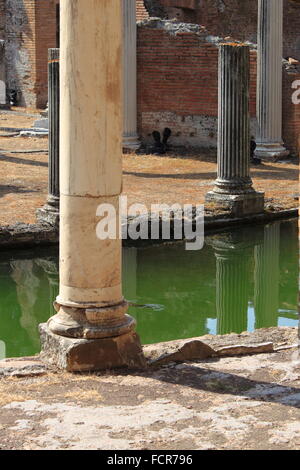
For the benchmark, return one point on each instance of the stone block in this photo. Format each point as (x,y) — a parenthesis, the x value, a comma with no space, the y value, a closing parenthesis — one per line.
(239,205)
(82,355)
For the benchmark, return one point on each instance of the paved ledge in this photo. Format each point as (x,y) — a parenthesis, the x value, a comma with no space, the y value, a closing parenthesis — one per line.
(267,340)
(231,403)
(30,235)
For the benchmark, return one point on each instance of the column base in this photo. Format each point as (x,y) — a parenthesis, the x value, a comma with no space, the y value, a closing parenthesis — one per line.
(82,355)
(131,142)
(49,215)
(239,205)
(271,151)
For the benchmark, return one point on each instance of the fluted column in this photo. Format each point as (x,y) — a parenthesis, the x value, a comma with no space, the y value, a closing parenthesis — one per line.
(269,80)
(266,278)
(2,74)
(91,330)
(233,187)
(130,136)
(50,212)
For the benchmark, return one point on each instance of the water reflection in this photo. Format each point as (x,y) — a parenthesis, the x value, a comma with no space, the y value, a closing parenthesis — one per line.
(267,278)
(240,280)
(26,296)
(233,252)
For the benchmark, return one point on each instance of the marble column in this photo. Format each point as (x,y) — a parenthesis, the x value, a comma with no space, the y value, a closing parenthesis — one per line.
(50,212)
(233,188)
(266,278)
(269,80)
(130,136)
(91,330)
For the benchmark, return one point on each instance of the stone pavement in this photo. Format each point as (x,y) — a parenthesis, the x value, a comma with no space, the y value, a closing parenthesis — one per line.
(245,402)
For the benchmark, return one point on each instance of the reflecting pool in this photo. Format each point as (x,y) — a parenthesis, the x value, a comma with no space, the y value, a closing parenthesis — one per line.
(241,280)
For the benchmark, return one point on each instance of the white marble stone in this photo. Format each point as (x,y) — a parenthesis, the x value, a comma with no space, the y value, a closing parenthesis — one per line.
(130,136)
(269,80)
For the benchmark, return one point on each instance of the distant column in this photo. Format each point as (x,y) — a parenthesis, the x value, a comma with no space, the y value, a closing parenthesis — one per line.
(233,188)
(130,136)
(50,212)
(269,80)
(2,74)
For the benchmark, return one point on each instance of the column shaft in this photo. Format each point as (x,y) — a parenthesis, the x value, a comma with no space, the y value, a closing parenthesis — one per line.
(233,186)
(50,212)
(130,136)
(91,330)
(269,79)
(53,100)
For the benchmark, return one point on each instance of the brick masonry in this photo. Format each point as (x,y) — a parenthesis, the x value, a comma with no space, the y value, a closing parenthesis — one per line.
(178,85)
(29,29)
(177,71)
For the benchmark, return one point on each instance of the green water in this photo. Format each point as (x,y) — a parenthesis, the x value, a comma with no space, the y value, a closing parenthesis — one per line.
(243,279)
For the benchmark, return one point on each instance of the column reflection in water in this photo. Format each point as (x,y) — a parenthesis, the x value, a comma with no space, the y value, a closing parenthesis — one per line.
(2,350)
(233,251)
(129,267)
(51,268)
(267,278)
(28,289)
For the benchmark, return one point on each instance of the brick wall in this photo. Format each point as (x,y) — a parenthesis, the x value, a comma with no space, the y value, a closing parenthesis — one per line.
(30,29)
(141,12)
(178,85)
(2,19)
(45,30)
(234,18)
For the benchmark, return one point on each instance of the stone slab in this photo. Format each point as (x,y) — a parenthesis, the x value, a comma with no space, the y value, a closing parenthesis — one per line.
(79,355)
(22,367)
(239,205)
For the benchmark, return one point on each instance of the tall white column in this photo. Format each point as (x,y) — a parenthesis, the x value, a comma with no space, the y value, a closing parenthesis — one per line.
(130,136)
(269,80)
(91,329)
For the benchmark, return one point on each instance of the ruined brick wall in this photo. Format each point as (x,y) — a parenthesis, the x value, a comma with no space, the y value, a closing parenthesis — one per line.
(178,84)
(141,12)
(45,30)
(30,29)
(234,18)
(2,19)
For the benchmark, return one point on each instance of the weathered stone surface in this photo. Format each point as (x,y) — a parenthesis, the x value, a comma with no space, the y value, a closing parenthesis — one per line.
(177,351)
(239,205)
(48,215)
(78,355)
(242,350)
(266,340)
(22,367)
(28,235)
